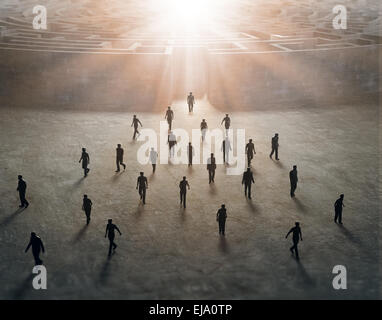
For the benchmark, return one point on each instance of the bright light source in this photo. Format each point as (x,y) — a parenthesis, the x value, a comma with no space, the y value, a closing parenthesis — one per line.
(187,14)
(187,11)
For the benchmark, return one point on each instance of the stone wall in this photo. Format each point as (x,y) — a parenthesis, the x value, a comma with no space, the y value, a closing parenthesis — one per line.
(110,82)
(314,78)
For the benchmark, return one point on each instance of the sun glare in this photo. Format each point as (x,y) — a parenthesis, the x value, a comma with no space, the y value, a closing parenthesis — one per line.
(187,14)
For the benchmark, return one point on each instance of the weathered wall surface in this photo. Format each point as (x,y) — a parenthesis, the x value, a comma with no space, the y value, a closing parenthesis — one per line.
(283,79)
(83,81)
(151,82)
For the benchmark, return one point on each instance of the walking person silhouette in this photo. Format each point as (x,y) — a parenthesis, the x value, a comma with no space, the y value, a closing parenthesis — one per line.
(143,185)
(297,235)
(211,167)
(119,158)
(226,148)
(247,181)
(190,153)
(171,140)
(22,189)
(221,218)
(203,129)
(275,146)
(183,191)
(37,245)
(110,233)
(85,161)
(227,122)
(169,116)
(250,150)
(190,102)
(338,205)
(293,181)
(135,123)
(87,207)
(153,158)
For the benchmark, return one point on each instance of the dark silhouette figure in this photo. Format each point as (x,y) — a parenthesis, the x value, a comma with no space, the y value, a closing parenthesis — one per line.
(227,122)
(87,207)
(250,151)
(293,180)
(110,232)
(203,129)
(247,181)
(143,185)
(338,205)
(37,246)
(171,140)
(119,158)
(183,191)
(275,146)
(135,123)
(153,158)
(85,161)
(169,116)
(190,102)
(211,167)
(22,189)
(190,153)
(226,148)
(297,235)
(221,217)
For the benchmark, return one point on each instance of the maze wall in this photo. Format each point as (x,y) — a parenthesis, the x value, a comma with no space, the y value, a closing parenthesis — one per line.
(114,55)
(128,27)
(93,82)
(282,80)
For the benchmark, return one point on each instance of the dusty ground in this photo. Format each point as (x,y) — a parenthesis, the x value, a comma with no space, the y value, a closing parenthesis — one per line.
(167,253)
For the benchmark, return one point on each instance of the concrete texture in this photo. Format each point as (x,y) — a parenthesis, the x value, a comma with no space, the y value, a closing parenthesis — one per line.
(167,253)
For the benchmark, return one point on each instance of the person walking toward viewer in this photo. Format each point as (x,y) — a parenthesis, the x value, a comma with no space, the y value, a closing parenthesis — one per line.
(221,218)
(183,191)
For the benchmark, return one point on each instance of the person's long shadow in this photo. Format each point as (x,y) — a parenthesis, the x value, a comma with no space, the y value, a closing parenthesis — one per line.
(252,206)
(105,272)
(9,219)
(78,182)
(182,212)
(349,235)
(300,207)
(212,189)
(170,161)
(190,170)
(80,234)
(152,176)
(223,245)
(23,288)
(139,211)
(117,175)
(305,276)
(279,163)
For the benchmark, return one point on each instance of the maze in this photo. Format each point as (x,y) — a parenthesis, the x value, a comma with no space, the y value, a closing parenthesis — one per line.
(130,27)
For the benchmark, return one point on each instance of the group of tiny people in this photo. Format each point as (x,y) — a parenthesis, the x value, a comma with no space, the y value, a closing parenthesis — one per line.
(142,183)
